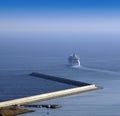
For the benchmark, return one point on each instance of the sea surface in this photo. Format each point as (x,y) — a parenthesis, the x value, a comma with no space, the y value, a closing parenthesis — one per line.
(15,82)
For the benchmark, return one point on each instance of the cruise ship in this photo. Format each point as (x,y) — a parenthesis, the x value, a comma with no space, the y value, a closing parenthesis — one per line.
(74,60)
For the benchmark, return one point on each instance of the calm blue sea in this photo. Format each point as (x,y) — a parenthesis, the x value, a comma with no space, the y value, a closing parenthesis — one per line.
(101,70)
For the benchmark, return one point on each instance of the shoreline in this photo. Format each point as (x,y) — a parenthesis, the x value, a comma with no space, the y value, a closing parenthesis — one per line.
(13,111)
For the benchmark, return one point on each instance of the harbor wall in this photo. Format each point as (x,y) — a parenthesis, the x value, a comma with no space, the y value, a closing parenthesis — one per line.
(79,88)
(58,79)
(47,96)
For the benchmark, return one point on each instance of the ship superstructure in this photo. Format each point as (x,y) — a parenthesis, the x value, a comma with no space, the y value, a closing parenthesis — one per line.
(74,60)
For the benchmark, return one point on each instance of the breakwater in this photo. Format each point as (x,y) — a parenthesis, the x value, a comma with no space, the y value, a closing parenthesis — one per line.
(58,79)
(80,87)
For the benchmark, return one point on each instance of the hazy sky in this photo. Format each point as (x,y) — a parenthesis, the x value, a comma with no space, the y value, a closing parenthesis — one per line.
(62,17)
(60,27)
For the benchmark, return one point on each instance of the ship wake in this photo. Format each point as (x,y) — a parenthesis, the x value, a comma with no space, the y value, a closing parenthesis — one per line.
(99,70)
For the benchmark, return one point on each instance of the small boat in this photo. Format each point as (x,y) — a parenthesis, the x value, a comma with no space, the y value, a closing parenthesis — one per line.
(74,60)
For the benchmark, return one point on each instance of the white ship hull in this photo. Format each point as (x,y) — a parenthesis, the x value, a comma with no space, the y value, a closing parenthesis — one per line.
(74,61)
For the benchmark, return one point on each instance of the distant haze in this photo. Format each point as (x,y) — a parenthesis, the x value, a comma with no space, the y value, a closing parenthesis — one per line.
(57,28)
(60,25)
